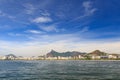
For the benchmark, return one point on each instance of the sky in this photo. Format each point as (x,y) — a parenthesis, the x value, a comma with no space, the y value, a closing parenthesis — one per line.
(34,27)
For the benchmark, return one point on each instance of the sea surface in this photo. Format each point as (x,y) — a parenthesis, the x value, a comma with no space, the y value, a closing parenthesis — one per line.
(59,70)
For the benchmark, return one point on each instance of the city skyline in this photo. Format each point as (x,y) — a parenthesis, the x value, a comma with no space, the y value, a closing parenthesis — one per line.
(34,27)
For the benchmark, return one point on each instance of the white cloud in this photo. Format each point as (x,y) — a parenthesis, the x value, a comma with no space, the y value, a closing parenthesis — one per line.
(49,28)
(42,20)
(35,31)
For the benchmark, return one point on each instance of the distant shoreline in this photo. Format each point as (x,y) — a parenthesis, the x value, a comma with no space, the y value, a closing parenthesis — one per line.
(59,60)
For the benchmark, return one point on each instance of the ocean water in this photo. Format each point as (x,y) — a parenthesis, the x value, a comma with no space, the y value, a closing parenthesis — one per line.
(60,70)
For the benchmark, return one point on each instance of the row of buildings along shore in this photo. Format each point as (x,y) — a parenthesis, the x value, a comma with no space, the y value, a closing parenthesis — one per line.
(74,55)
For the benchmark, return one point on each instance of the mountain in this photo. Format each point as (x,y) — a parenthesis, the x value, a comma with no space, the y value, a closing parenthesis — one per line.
(11,55)
(97,53)
(53,53)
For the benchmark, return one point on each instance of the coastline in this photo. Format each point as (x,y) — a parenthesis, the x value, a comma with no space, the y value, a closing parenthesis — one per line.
(59,60)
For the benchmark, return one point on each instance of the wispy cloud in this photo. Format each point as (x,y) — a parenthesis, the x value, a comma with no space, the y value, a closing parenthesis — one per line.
(29,8)
(89,10)
(5,27)
(14,34)
(44,13)
(42,19)
(84,29)
(6,15)
(37,8)
(12,18)
(55,37)
(49,28)
(35,31)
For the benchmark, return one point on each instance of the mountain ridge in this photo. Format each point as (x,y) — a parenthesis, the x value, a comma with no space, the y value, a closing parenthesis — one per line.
(54,53)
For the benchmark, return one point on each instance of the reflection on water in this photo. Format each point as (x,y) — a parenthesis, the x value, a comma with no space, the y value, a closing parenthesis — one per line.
(59,70)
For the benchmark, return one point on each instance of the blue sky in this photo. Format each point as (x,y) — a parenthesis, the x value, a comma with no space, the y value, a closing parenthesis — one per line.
(42,25)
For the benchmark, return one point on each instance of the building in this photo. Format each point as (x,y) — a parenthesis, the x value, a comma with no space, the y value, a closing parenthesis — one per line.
(113,56)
